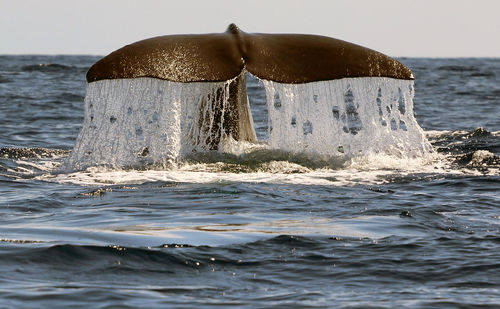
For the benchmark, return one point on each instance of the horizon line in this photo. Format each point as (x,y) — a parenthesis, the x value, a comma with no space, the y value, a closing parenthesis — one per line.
(103,55)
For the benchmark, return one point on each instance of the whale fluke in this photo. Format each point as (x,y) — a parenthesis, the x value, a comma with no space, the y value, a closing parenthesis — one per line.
(160,100)
(284,58)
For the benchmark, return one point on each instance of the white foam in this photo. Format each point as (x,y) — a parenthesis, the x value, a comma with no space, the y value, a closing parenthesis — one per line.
(479,158)
(368,170)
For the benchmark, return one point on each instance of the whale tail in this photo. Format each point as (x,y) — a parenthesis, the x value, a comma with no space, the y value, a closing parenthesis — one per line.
(223,114)
(158,100)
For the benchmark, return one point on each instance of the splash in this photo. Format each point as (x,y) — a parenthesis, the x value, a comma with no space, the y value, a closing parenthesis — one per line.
(147,121)
(151,122)
(347,117)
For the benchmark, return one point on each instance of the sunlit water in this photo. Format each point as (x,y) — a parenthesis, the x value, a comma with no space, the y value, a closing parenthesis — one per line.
(257,227)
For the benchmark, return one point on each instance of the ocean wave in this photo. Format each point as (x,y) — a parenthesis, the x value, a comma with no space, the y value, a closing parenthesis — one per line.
(4,80)
(265,273)
(31,153)
(458,68)
(51,68)
(478,149)
(458,153)
(315,251)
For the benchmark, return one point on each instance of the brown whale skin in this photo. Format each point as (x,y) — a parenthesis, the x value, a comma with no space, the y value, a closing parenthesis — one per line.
(284,58)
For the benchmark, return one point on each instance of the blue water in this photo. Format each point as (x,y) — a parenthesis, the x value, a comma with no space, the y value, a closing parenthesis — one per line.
(378,234)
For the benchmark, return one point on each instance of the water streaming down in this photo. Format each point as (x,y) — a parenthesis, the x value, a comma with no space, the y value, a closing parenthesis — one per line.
(346,117)
(147,121)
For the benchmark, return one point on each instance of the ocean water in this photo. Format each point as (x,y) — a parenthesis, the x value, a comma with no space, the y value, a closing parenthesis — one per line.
(266,230)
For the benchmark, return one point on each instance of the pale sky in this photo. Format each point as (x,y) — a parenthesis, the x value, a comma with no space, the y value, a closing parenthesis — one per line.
(411,28)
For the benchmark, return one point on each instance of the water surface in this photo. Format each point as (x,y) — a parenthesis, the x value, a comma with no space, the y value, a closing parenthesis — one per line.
(261,232)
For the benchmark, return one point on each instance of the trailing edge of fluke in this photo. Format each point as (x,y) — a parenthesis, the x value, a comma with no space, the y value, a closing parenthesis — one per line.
(284,58)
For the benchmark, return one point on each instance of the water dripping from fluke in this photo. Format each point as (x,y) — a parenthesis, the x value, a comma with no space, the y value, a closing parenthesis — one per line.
(143,102)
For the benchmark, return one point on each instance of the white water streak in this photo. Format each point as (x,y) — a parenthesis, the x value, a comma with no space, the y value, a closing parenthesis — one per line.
(134,122)
(346,117)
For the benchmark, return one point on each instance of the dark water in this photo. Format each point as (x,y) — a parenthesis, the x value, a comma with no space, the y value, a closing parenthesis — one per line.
(426,237)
